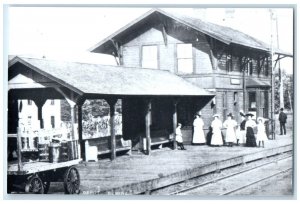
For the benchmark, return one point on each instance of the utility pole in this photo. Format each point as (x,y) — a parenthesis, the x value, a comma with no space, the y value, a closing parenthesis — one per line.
(272,80)
(281,99)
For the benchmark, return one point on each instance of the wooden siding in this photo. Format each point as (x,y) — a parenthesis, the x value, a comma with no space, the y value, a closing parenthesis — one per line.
(167,54)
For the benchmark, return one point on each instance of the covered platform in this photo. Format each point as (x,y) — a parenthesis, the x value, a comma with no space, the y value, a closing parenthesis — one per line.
(138,173)
(150,97)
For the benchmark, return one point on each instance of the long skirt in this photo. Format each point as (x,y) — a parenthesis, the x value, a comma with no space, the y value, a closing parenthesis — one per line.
(241,136)
(230,135)
(250,138)
(216,138)
(198,136)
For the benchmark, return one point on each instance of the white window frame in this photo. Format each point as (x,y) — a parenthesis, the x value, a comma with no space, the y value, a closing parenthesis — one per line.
(184,56)
(147,61)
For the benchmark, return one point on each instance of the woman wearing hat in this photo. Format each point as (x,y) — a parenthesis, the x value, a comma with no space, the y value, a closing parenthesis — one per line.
(261,132)
(241,131)
(198,135)
(216,138)
(230,126)
(250,124)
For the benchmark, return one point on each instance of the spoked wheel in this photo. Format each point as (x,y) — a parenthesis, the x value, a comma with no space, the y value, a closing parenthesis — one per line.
(46,186)
(34,185)
(71,181)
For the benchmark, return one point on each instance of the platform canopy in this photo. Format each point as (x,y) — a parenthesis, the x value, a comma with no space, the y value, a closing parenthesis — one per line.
(96,79)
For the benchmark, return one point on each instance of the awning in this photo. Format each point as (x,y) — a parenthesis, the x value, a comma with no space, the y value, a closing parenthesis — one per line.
(253,83)
(84,78)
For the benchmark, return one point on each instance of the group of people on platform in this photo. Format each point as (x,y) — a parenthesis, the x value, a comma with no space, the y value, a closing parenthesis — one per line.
(235,134)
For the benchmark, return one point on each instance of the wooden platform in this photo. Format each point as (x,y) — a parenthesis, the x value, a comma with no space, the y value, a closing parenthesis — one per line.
(139,173)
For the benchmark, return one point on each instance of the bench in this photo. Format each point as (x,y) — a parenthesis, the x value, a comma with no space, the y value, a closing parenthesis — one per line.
(158,138)
(102,145)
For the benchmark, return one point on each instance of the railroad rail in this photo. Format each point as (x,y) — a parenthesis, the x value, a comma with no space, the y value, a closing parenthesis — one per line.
(181,190)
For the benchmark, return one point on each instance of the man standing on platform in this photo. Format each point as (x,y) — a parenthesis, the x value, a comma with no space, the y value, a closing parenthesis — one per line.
(282,120)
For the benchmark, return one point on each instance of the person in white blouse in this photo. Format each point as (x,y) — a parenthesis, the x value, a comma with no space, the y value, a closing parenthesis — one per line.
(216,124)
(198,135)
(230,126)
(261,132)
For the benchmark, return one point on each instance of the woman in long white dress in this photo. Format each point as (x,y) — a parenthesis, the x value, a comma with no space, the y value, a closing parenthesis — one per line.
(230,126)
(198,135)
(216,125)
(261,136)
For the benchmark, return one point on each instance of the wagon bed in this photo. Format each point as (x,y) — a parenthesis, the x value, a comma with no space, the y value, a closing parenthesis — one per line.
(35,167)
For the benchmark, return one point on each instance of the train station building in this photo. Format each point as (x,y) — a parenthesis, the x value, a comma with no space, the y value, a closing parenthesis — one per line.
(170,67)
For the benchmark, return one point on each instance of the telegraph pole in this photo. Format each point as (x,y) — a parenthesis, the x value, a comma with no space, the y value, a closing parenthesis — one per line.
(272,80)
(281,99)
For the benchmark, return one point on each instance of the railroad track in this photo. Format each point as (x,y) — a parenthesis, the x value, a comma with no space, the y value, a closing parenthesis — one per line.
(198,183)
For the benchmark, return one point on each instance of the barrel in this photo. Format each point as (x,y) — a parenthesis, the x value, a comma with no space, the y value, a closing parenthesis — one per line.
(25,142)
(54,153)
(43,152)
(64,156)
(71,154)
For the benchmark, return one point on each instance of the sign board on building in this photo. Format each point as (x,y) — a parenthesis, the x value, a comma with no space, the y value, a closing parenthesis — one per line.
(235,81)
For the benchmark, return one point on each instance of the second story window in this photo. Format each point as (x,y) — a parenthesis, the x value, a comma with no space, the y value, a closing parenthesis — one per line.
(229,62)
(29,102)
(52,102)
(150,56)
(185,58)
(266,67)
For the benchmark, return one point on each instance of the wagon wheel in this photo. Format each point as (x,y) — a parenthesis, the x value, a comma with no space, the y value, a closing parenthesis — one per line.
(71,181)
(46,186)
(34,185)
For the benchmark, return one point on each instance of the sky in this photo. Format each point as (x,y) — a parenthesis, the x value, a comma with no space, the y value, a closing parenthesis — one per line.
(67,33)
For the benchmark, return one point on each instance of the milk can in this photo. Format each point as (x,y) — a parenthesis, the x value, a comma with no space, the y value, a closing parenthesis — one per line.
(54,152)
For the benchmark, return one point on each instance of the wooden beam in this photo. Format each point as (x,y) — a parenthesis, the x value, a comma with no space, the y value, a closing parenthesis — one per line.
(81,141)
(175,124)
(19,147)
(112,104)
(148,123)
(73,119)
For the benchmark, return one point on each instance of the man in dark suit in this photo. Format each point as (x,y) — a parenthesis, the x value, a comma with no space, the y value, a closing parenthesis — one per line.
(282,119)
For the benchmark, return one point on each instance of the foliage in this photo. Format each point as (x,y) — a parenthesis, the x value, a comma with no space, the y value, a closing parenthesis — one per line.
(288,90)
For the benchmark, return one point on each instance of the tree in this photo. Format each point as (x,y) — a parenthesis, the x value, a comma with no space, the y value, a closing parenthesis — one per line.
(288,90)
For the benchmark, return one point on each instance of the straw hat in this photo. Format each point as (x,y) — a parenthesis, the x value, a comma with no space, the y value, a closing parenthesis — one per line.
(260,118)
(216,115)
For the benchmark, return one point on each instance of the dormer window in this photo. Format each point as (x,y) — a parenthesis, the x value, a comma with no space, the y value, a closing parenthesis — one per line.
(185,58)
(149,56)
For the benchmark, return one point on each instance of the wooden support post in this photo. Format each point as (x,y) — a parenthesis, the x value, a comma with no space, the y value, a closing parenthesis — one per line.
(81,141)
(112,106)
(73,119)
(19,147)
(175,124)
(148,123)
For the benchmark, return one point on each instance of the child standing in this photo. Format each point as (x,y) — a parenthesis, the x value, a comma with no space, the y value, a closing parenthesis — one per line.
(261,132)
(179,139)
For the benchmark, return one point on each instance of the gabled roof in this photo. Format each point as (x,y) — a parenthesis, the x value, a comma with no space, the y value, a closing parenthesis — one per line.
(99,79)
(224,34)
